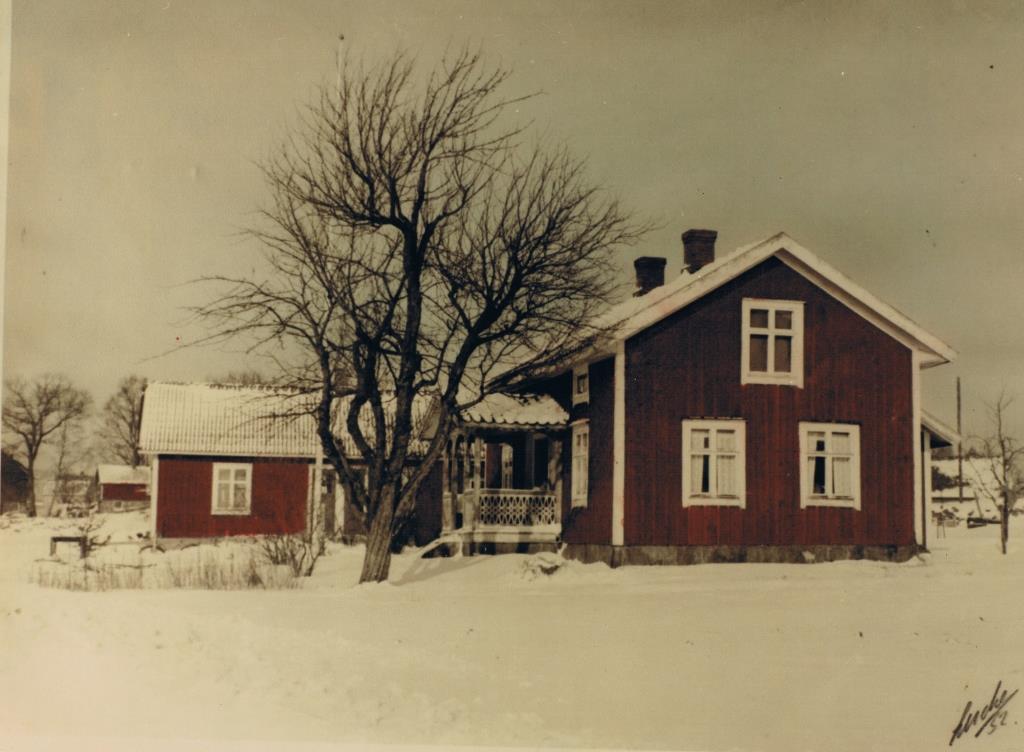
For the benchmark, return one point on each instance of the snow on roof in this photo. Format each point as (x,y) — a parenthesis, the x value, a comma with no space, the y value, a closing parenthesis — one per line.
(262,421)
(122,474)
(943,435)
(516,410)
(634,315)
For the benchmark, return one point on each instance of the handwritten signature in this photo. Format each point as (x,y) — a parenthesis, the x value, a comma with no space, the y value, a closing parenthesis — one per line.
(990,716)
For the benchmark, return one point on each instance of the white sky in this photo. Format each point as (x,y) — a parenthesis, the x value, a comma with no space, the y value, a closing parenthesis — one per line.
(885,139)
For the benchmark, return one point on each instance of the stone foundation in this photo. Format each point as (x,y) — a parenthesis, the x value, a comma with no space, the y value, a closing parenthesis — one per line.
(616,556)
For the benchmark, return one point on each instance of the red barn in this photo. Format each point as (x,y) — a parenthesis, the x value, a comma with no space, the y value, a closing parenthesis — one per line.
(230,460)
(761,406)
(122,488)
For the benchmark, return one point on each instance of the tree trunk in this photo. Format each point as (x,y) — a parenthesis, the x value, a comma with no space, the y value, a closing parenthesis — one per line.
(1004,523)
(30,499)
(377,561)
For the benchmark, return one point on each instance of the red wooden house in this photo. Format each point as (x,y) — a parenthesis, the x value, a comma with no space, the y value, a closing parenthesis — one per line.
(758,407)
(229,460)
(122,488)
(761,406)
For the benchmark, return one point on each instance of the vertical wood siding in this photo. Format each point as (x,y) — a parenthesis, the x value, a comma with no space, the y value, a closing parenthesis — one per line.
(592,524)
(688,366)
(279,493)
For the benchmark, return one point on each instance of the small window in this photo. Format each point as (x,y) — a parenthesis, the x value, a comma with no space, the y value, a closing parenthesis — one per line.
(773,342)
(580,463)
(232,488)
(580,385)
(829,465)
(714,466)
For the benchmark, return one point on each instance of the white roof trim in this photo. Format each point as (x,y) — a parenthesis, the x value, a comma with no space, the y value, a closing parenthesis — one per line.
(688,288)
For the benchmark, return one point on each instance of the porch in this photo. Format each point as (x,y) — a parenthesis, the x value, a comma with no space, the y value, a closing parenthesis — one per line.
(502,475)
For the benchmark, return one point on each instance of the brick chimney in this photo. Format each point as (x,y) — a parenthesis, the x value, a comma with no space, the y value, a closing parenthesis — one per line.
(650,273)
(698,249)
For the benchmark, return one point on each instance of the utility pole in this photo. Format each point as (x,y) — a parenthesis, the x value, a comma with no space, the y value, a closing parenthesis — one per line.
(959,446)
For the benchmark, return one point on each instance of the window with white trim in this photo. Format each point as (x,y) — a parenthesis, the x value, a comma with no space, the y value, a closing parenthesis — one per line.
(232,488)
(580,463)
(714,463)
(773,342)
(580,384)
(829,465)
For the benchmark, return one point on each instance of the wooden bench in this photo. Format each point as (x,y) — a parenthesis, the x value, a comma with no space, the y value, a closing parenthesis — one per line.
(83,543)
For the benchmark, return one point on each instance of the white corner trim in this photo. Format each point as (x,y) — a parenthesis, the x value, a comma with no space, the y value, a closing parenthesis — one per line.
(619,447)
(154,494)
(915,440)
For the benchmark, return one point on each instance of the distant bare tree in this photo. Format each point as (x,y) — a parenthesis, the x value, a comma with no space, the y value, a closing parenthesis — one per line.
(1004,456)
(250,377)
(34,411)
(416,249)
(122,420)
(72,454)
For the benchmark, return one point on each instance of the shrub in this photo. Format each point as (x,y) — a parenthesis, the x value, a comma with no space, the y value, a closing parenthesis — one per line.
(298,552)
(207,568)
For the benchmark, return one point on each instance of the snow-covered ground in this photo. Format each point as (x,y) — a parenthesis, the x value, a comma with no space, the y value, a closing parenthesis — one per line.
(488,651)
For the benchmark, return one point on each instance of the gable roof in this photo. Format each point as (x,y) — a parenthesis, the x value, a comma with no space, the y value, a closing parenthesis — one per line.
(636,314)
(122,474)
(259,421)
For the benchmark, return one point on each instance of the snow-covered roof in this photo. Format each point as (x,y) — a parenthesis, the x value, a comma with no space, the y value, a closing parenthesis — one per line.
(636,314)
(122,474)
(260,421)
(942,434)
(518,410)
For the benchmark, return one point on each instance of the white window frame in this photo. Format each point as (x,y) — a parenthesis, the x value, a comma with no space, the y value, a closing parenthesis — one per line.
(795,377)
(580,459)
(580,397)
(233,466)
(807,499)
(713,498)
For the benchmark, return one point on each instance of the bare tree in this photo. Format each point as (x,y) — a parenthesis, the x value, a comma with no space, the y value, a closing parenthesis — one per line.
(415,248)
(71,454)
(34,411)
(1004,456)
(250,377)
(122,420)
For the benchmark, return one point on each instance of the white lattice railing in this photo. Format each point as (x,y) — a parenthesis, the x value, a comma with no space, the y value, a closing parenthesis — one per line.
(516,508)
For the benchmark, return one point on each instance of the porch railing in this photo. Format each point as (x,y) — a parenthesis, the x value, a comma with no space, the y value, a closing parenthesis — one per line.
(506,507)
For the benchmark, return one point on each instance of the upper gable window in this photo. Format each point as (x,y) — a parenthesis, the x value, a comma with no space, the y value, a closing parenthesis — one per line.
(773,342)
(580,384)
